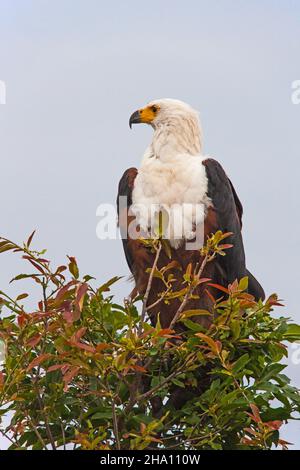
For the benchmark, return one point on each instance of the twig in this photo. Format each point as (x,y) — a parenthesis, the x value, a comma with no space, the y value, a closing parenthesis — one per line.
(36,378)
(115,425)
(42,410)
(63,434)
(189,292)
(148,289)
(160,299)
(37,433)
(4,434)
(190,440)
(161,384)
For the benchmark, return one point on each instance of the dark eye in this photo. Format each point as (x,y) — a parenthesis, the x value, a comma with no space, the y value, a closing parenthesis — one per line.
(154,109)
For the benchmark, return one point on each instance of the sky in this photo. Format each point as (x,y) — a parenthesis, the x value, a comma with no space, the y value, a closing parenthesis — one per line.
(75,70)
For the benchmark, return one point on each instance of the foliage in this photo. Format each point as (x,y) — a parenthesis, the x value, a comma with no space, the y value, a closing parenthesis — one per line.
(83,372)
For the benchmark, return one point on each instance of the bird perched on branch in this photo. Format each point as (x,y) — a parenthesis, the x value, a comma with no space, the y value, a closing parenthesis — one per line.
(195,198)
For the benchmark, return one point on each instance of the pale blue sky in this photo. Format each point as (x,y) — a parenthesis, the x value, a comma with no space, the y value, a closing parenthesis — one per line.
(75,70)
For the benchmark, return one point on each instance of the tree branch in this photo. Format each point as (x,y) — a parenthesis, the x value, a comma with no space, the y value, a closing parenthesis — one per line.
(148,289)
(189,292)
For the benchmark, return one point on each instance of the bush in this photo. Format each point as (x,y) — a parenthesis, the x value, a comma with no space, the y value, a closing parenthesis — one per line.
(83,372)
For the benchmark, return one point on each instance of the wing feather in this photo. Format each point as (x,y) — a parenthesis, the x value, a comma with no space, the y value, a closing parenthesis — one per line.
(229,211)
(125,190)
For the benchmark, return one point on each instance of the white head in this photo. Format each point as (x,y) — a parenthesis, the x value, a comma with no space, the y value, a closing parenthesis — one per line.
(176,127)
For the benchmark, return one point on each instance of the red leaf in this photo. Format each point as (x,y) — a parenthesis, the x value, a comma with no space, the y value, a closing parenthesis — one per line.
(102,346)
(38,360)
(274,424)
(225,246)
(35,264)
(147,333)
(30,239)
(78,334)
(74,341)
(60,270)
(165,331)
(34,340)
(81,291)
(65,368)
(246,296)
(2,378)
(246,440)
(215,346)
(68,316)
(22,320)
(274,301)
(247,304)
(204,279)
(137,368)
(84,346)
(217,286)
(64,290)
(234,287)
(284,444)
(56,367)
(226,234)
(73,371)
(256,416)
(38,316)
(209,294)
(251,431)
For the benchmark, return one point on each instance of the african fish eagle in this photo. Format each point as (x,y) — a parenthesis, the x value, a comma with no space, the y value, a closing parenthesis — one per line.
(175,175)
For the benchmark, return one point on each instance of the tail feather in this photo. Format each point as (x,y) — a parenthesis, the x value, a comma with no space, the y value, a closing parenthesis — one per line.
(254,287)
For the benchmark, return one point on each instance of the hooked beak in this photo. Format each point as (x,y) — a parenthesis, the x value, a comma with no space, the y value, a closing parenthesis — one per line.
(135,118)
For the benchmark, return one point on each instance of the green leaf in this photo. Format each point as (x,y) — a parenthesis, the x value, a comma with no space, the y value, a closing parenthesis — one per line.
(106,287)
(192,325)
(103,415)
(272,371)
(280,413)
(6,247)
(193,313)
(235,327)
(178,382)
(292,333)
(240,363)
(243,284)
(21,297)
(73,268)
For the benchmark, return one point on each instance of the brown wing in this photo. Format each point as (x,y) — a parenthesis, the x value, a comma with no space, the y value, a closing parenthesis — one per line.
(229,211)
(125,190)
(238,204)
(224,202)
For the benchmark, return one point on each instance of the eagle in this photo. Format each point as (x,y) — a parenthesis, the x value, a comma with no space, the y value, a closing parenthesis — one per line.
(195,195)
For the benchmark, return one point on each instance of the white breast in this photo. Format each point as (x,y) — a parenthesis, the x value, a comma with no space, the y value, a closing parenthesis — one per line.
(177,187)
